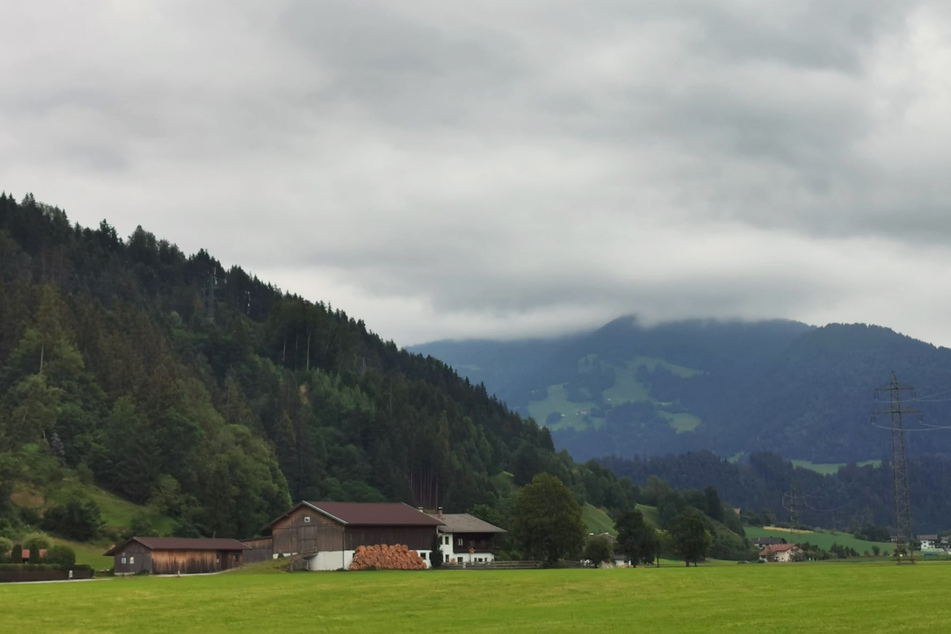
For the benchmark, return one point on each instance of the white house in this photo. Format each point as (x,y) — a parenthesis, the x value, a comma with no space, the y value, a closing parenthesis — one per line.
(928,542)
(465,539)
(780,552)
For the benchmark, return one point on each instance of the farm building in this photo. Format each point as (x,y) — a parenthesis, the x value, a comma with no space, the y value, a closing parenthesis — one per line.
(326,534)
(780,552)
(464,538)
(176,555)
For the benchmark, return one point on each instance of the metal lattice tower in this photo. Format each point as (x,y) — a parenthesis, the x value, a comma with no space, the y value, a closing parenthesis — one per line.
(791,502)
(904,543)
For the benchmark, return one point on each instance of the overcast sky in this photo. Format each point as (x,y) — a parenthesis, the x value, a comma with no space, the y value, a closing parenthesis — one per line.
(512,167)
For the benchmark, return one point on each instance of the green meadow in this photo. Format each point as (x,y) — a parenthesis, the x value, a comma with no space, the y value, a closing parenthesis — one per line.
(864,597)
(821,538)
(626,388)
(828,468)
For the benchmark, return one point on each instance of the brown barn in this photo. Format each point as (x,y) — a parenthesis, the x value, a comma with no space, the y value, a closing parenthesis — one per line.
(174,555)
(326,534)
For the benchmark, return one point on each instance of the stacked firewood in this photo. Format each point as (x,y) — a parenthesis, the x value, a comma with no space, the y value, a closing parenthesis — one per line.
(384,557)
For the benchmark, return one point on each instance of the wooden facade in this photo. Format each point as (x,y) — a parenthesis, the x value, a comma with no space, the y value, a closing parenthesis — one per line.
(173,555)
(304,530)
(325,534)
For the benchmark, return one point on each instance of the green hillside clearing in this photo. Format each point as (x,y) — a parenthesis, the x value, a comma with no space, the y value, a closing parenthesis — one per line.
(823,539)
(626,388)
(596,520)
(830,468)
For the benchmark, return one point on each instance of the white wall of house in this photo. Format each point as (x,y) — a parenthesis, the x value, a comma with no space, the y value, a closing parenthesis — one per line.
(330,560)
(447,546)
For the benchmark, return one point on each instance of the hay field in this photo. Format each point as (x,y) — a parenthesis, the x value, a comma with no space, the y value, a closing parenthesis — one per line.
(841,597)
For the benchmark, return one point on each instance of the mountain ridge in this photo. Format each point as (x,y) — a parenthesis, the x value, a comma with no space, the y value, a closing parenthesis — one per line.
(733,387)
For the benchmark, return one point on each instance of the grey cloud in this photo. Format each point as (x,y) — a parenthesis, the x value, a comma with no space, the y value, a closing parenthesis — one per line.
(508,166)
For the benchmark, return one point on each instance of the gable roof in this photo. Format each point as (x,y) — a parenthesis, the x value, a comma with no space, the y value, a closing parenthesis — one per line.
(768,541)
(776,548)
(180,543)
(464,523)
(365,514)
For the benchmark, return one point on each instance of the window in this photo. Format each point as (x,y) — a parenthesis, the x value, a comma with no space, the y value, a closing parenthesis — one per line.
(131,560)
(307,519)
(123,559)
(460,541)
(445,540)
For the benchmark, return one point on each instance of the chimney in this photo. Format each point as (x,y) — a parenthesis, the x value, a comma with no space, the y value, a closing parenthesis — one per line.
(440,511)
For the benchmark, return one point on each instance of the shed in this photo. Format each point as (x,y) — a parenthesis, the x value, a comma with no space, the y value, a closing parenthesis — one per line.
(176,555)
(326,534)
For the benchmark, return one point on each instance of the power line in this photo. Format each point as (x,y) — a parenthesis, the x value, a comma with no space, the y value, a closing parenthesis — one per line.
(896,410)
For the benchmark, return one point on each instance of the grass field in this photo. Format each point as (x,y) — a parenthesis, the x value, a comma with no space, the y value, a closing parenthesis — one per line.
(823,539)
(750,598)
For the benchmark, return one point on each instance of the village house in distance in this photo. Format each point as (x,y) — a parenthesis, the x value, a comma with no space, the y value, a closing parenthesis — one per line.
(465,539)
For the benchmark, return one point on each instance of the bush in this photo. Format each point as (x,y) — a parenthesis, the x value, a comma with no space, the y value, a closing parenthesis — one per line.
(16,554)
(61,556)
(77,520)
(597,550)
(5,547)
(28,516)
(141,526)
(27,567)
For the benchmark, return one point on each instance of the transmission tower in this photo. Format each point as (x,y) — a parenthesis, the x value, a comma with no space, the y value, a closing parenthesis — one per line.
(904,535)
(791,502)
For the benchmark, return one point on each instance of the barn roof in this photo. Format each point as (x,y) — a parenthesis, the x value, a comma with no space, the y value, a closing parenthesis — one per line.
(366,514)
(181,543)
(776,548)
(465,523)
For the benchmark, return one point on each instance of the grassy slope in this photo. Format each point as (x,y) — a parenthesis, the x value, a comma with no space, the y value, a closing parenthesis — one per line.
(651,516)
(626,388)
(114,510)
(823,539)
(788,598)
(596,520)
(828,468)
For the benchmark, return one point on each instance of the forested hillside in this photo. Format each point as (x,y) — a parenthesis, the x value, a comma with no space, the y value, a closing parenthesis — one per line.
(769,487)
(217,398)
(730,387)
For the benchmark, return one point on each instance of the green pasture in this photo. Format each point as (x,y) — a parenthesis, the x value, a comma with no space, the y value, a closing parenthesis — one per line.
(596,521)
(821,538)
(828,468)
(626,388)
(734,598)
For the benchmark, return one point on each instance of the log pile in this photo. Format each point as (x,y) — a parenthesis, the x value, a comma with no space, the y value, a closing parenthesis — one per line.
(384,557)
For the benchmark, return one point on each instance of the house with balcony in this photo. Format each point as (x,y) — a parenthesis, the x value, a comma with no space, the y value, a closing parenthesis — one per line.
(465,539)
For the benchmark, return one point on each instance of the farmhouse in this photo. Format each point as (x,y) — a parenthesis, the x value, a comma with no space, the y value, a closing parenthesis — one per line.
(780,552)
(465,539)
(928,542)
(326,534)
(176,555)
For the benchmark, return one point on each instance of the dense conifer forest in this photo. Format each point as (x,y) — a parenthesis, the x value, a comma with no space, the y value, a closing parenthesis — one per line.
(218,398)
